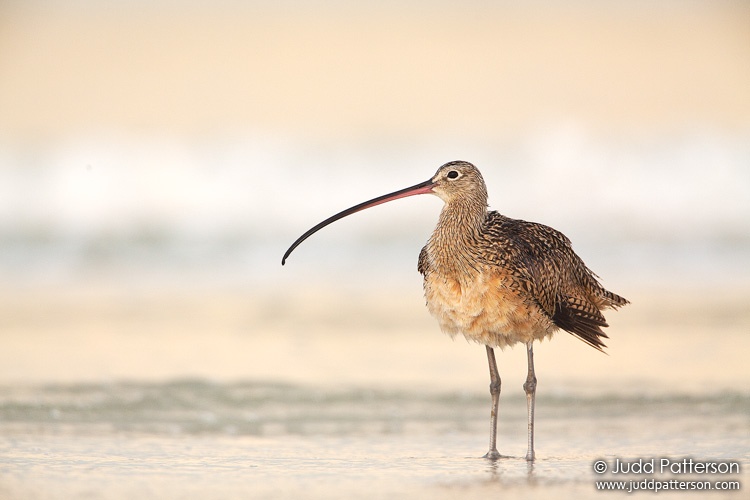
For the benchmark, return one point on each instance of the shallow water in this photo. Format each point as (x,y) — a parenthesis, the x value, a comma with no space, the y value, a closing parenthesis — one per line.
(196,439)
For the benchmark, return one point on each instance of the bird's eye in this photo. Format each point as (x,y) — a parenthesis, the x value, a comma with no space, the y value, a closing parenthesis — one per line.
(453,174)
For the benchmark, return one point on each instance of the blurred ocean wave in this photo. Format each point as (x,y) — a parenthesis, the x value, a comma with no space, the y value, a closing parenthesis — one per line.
(159,140)
(233,206)
(193,406)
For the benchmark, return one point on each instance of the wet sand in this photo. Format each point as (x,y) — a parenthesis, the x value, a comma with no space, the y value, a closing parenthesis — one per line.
(387,467)
(52,460)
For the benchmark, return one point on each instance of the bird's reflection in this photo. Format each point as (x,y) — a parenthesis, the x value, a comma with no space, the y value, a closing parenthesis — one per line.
(505,469)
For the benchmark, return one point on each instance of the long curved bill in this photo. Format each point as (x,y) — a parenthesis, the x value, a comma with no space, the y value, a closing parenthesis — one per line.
(421,188)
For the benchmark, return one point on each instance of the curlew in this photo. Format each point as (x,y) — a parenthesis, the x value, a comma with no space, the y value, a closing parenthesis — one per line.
(499,281)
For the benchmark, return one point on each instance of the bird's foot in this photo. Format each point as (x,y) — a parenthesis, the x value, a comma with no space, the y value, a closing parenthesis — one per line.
(530,456)
(492,455)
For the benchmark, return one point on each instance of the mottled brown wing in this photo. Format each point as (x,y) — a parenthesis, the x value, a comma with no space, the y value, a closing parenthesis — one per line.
(543,262)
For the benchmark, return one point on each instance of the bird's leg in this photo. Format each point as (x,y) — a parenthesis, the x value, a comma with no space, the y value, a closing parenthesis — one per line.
(495,392)
(530,388)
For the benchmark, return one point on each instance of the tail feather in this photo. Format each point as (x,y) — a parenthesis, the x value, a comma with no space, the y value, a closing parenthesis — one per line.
(583,318)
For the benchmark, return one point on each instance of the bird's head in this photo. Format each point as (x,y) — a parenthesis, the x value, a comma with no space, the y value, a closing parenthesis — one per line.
(458,180)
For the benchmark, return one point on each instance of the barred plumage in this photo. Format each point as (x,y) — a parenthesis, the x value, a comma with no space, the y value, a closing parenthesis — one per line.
(499,281)
(531,265)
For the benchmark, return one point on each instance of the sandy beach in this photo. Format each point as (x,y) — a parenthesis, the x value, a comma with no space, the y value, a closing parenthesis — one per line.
(676,342)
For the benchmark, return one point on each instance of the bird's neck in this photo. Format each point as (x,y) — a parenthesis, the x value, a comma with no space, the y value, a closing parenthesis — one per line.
(453,244)
(462,218)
